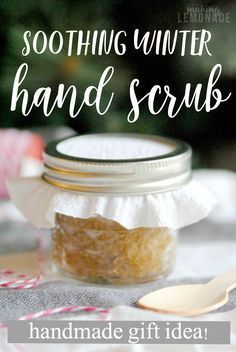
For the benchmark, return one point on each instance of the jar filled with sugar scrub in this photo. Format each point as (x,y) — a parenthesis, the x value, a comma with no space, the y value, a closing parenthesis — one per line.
(103,251)
(115,203)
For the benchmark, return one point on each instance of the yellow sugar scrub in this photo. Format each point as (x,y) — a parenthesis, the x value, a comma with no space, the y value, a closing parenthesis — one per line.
(102,251)
(114,203)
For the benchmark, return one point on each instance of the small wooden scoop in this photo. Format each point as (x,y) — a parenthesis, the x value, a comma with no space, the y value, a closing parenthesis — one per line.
(190,300)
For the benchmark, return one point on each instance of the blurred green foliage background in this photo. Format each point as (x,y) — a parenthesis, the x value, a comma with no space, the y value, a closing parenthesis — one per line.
(212,134)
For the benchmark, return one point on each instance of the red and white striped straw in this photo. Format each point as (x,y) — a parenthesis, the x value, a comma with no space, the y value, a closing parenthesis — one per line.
(12,279)
(20,284)
(51,311)
(102,312)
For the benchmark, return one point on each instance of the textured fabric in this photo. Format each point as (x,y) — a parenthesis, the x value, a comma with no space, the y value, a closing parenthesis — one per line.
(16,303)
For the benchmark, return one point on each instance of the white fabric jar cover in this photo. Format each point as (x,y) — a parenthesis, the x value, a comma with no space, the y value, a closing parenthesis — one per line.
(39,200)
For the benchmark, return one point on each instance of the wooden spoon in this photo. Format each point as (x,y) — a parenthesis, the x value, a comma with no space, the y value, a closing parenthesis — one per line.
(190,300)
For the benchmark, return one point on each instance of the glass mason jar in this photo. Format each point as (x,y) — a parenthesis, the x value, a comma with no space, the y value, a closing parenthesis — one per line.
(103,251)
(99,249)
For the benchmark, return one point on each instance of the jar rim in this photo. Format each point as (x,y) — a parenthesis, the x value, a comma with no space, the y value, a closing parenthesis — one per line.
(119,176)
(180,147)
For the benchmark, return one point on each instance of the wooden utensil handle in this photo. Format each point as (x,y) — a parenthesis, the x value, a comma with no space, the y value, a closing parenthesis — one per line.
(224,282)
